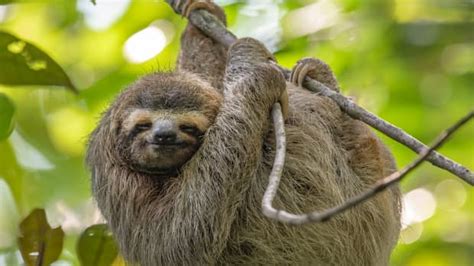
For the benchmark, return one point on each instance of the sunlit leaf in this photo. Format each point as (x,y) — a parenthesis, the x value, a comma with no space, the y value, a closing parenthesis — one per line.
(21,63)
(7,110)
(39,243)
(96,246)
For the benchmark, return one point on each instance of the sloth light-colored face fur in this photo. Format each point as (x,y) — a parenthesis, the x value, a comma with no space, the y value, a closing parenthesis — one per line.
(162,155)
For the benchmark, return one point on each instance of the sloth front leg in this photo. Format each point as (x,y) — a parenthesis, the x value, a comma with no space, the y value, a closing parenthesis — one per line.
(199,53)
(252,85)
(230,155)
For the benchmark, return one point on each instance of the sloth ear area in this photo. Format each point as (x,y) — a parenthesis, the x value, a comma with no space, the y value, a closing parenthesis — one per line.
(114,124)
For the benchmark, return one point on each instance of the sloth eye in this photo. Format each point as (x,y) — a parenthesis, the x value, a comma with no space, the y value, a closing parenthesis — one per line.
(190,129)
(143,126)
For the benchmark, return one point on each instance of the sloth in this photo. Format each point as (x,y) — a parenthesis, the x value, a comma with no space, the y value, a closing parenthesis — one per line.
(180,162)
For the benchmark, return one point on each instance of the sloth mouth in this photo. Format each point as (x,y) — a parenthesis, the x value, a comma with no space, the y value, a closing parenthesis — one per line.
(172,145)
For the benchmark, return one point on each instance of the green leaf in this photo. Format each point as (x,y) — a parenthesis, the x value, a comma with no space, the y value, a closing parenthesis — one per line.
(40,245)
(96,246)
(7,110)
(93,2)
(21,63)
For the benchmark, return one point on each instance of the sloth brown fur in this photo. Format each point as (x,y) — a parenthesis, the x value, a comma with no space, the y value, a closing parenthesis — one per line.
(207,210)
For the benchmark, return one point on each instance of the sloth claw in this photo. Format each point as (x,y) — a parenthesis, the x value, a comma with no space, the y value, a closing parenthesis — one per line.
(191,5)
(301,70)
(185,7)
(315,69)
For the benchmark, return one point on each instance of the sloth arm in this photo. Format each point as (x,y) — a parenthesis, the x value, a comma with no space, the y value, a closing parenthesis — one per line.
(218,174)
(202,55)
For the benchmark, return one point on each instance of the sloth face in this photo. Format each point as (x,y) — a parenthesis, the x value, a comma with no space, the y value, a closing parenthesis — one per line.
(160,142)
(159,122)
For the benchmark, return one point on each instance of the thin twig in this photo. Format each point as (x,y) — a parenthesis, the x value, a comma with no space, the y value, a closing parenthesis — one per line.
(278,163)
(212,27)
(380,186)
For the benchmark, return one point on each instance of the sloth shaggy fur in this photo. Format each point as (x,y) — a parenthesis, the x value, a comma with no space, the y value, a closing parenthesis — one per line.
(209,212)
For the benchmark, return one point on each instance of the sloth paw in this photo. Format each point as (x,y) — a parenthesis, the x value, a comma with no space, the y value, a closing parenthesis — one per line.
(185,7)
(313,68)
(191,5)
(302,69)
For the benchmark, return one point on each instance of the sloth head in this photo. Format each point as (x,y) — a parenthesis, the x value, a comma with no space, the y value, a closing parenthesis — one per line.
(157,124)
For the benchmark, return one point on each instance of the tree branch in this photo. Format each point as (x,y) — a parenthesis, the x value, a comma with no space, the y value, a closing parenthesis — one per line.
(359,113)
(212,27)
(380,186)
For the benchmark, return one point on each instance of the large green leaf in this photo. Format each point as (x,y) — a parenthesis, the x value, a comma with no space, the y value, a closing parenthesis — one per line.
(7,110)
(40,245)
(96,246)
(21,63)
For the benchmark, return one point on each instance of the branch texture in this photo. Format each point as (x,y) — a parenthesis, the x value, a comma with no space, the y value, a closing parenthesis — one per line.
(212,27)
(380,186)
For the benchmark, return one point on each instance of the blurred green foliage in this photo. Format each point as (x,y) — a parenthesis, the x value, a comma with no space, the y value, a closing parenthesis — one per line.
(96,246)
(23,64)
(7,110)
(38,242)
(409,61)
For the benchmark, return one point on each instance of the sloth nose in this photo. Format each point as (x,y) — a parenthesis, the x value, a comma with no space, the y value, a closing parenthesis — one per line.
(164,133)
(164,136)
